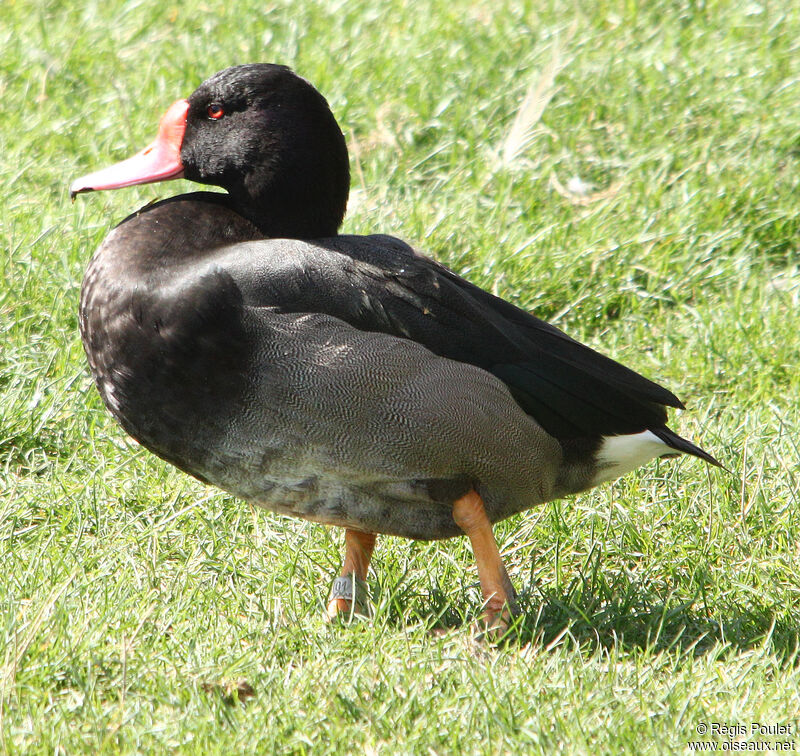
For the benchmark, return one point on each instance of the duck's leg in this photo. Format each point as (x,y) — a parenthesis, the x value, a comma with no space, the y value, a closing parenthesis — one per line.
(350,587)
(498,592)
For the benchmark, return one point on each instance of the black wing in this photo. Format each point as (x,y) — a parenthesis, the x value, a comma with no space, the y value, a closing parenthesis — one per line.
(378,283)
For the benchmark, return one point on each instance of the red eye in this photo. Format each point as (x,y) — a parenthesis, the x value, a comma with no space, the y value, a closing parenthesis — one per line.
(215,111)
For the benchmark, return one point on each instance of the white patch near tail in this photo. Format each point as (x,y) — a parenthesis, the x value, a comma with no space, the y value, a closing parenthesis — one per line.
(621,454)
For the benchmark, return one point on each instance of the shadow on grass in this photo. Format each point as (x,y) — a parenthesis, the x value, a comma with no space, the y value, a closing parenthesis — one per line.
(623,615)
(591,621)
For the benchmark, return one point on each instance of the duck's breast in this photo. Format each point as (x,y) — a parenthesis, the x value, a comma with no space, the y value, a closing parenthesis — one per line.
(161,327)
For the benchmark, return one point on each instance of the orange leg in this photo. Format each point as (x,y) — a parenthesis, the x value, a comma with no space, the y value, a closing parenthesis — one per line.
(498,592)
(358,552)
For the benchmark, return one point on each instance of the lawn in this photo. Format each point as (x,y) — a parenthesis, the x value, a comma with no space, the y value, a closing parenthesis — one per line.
(644,197)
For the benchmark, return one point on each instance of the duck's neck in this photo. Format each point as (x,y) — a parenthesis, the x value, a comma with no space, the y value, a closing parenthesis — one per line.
(290,214)
(301,197)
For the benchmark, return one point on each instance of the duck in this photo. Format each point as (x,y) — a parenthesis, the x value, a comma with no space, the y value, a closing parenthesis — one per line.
(347,380)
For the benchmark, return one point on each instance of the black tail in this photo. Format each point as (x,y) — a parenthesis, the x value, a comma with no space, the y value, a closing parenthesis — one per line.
(672,439)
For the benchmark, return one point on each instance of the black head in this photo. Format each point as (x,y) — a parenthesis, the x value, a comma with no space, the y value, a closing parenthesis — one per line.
(269,138)
(262,133)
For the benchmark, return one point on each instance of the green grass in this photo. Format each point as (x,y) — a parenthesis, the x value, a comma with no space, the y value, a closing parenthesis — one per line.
(134,602)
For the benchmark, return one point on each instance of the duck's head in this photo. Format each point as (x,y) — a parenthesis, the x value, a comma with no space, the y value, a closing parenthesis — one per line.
(259,131)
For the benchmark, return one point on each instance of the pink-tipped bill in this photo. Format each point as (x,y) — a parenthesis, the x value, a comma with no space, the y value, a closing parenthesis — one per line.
(159,161)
